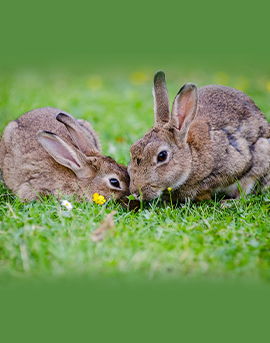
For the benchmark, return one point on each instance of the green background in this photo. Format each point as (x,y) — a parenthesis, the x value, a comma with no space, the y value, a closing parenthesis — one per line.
(194,34)
(120,36)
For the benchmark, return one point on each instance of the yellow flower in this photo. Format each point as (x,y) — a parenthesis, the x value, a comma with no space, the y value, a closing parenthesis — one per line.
(169,189)
(241,83)
(94,82)
(138,78)
(99,199)
(268,86)
(221,78)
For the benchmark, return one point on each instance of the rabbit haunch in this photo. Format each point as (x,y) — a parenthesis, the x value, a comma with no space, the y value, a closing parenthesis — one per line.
(64,158)
(215,139)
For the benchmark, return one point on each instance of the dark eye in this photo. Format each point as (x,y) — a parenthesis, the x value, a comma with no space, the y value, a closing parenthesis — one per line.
(162,156)
(115,183)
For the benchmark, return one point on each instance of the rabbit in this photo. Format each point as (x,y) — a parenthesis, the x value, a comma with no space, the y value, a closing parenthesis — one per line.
(40,155)
(215,141)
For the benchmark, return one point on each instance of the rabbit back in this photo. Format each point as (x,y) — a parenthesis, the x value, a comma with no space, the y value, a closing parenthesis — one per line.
(24,161)
(231,110)
(234,145)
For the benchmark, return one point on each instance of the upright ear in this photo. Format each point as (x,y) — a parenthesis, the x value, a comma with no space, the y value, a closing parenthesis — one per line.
(65,154)
(184,109)
(161,99)
(77,134)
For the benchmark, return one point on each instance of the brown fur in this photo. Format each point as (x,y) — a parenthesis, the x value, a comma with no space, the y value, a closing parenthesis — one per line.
(30,171)
(214,137)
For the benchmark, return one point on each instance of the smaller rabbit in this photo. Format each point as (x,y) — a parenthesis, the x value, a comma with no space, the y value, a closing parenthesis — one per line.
(41,155)
(215,140)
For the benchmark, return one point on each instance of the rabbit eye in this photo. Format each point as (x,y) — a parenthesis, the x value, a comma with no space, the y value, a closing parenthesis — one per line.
(115,183)
(162,156)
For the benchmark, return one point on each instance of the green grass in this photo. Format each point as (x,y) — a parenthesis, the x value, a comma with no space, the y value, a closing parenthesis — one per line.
(209,239)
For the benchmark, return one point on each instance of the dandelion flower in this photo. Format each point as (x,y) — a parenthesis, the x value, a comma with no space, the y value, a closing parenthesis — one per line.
(169,190)
(138,78)
(241,83)
(268,86)
(67,205)
(99,199)
(94,82)
(221,78)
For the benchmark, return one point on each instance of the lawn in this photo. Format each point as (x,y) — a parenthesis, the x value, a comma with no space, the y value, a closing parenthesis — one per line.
(210,239)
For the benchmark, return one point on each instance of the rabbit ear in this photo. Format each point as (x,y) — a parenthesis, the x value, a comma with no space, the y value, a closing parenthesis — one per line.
(65,154)
(78,134)
(185,108)
(161,99)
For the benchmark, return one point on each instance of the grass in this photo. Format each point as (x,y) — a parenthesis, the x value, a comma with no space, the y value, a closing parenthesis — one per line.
(209,239)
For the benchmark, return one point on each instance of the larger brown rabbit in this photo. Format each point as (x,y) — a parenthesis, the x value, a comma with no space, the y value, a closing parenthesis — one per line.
(64,158)
(216,140)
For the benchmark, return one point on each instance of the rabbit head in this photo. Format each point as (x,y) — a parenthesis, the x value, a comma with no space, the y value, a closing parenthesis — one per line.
(162,158)
(95,172)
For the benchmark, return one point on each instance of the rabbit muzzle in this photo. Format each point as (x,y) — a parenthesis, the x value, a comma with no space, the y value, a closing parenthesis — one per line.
(145,193)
